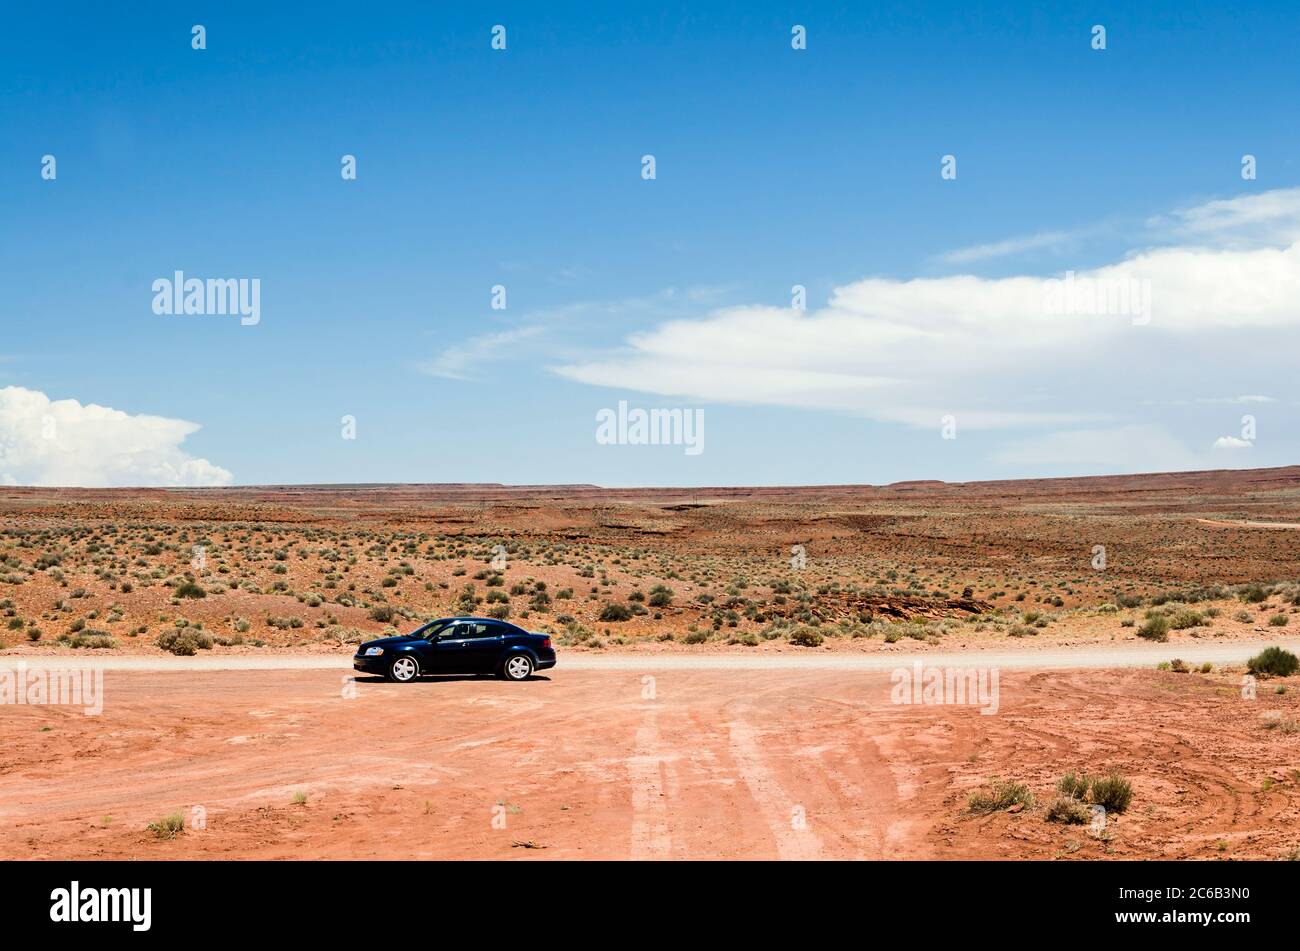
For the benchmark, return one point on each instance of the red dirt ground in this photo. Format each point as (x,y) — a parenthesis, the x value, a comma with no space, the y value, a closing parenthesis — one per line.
(585,764)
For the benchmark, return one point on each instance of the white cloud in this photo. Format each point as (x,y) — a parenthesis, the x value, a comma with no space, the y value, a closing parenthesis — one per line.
(1132,448)
(1232,443)
(63,443)
(990,351)
(463,360)
(1271,217)
(546,330)
(1238,400)
(998,249)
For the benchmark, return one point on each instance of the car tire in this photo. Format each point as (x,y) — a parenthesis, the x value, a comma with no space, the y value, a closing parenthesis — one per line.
(517,667)
(404,669)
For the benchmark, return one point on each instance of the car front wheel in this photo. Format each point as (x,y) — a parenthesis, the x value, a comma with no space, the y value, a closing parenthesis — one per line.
(517,667)
(403,670)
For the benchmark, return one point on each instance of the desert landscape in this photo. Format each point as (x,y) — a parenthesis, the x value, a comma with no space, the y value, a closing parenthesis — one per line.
(728,675)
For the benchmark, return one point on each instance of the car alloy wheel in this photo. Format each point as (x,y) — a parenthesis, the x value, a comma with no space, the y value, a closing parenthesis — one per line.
(403,670)
(519,667)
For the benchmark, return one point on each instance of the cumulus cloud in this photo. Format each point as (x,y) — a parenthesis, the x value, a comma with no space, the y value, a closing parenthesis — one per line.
(64,443)
(1014,351)
(1232,443)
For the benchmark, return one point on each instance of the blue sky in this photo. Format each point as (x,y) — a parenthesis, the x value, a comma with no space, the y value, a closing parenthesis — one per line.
(522,167)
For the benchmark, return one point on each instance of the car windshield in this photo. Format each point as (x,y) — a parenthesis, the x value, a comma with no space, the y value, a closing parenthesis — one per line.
(432,630)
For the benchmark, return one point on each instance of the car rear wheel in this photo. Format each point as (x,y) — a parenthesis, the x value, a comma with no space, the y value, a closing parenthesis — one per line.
(403,670)
(517,667)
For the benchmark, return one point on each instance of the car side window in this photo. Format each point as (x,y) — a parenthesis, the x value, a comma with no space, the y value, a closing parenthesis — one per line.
(452,632)
(476,630)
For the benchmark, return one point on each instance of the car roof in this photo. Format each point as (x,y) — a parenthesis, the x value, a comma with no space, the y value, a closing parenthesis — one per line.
(485,620)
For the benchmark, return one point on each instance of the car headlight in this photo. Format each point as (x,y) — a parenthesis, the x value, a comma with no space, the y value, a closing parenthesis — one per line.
(374,651)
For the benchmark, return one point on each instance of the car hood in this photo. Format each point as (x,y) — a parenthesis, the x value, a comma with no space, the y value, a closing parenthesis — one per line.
(391,641)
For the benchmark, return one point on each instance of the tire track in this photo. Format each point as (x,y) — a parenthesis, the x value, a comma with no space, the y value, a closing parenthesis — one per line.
(651,836)
(783,815)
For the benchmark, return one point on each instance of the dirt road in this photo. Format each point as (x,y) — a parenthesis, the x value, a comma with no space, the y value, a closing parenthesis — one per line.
(637,761)
(1144,655)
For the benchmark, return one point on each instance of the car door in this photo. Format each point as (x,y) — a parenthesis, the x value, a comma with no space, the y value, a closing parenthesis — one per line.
(482,649)
(449,655)
(467,647)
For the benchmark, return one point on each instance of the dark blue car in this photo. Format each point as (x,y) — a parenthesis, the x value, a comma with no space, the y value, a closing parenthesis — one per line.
(457,645)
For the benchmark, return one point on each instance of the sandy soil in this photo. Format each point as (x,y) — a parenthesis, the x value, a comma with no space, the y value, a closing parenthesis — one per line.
(621,763)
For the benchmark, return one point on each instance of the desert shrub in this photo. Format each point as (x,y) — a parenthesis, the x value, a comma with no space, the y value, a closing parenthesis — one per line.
(168,827)
(1178,666)
(1000,795)
(1273,660)
(184,641)
(1155,628)
(661,596)
(1022,630)
(94,640)
(1183,619)
(806,637)
(615,612)
(1253,594)
(1068,810)
(383,613)
(1282,725)
(189,589)
(695,637)
(1074,785)
(1277,620)
(344,635)
(1113,791)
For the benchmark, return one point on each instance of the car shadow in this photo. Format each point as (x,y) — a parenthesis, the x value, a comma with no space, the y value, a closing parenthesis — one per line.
(439,678)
